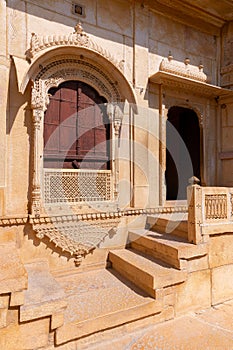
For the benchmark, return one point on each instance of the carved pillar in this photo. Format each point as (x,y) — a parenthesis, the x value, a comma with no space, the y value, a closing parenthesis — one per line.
(36,168)
(115,116)
(162,151)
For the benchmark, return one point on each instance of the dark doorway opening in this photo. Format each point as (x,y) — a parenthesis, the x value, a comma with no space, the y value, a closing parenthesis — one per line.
(183,151)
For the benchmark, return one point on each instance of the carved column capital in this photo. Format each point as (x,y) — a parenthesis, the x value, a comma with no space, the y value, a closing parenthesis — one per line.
(115,115)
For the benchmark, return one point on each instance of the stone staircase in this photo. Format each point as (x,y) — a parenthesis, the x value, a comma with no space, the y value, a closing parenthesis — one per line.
(159,262)
(142,282)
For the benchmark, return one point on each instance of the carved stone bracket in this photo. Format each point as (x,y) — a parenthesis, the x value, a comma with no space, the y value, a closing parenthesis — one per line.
(77,238)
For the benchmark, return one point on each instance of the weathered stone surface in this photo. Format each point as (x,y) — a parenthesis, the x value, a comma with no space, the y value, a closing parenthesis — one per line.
(13,276)
(221,250)
(26,336)
(17,298)
(147,273)
(92,307)
(3,318)
(7,235)
(171,249)
(195,293)
(44,296)
(219,316)
(222,283)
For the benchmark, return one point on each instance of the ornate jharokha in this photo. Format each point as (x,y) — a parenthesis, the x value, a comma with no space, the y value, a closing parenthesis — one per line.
(57,70)
(60,187)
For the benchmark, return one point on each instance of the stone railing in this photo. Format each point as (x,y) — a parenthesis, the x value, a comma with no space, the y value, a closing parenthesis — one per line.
(61,186)
(210,211)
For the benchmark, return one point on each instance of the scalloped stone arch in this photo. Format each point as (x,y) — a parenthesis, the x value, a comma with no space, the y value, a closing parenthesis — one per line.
(67,67)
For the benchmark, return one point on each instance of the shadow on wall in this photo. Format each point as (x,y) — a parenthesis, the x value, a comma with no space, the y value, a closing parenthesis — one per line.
(16,102)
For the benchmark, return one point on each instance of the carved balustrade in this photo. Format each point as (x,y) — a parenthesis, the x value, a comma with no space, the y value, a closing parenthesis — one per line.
(210,211)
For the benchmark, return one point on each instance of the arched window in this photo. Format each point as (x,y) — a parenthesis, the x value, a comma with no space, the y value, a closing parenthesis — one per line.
(76,128)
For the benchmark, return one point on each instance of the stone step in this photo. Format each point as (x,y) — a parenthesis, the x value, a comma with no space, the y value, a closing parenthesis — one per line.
(171,249)
(145,272)
(44,296)
(175,224)
(99,300)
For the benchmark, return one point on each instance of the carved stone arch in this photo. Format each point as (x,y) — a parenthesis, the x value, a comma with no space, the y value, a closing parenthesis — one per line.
(65,68)
(180,102)
(190,106)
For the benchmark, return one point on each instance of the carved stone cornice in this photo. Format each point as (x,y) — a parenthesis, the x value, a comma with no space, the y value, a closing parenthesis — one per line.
(183,69)
(48,219)
(185,85)
(77,39)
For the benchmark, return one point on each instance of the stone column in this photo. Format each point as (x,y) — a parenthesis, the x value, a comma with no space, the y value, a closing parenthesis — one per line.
(36,204)
(115,116)
(163,111)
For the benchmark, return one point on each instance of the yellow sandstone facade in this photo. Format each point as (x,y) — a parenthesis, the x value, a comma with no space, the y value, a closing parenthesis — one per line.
(101,238)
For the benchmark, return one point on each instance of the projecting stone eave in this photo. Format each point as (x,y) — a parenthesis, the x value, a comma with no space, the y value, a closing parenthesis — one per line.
(196,87)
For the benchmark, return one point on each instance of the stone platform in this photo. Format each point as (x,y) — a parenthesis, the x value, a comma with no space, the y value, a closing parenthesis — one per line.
(210,329)
(99,300)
